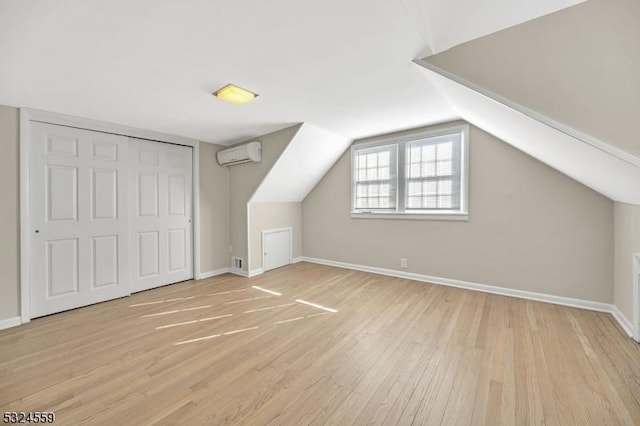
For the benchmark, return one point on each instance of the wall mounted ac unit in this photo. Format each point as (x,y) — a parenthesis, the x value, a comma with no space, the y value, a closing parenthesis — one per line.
(246,153)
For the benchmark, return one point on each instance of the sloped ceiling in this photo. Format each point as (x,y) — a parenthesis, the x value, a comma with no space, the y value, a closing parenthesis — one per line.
(302,164)
(539,87)
(604,168)
(153,64)
(445,24)
(579,66)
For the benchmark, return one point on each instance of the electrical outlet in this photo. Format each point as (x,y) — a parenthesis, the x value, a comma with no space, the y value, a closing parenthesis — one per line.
(403,262)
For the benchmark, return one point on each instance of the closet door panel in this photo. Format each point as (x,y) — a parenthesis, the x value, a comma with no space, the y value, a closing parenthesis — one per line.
(161,180)
(79,222)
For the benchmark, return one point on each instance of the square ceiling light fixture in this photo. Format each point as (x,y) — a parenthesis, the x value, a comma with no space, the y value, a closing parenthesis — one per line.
(235,95)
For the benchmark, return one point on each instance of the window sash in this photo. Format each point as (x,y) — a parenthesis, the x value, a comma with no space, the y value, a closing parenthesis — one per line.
(441,199)
(432,180)
(375,179)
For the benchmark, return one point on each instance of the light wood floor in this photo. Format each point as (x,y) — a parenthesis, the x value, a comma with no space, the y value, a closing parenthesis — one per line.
(396,352)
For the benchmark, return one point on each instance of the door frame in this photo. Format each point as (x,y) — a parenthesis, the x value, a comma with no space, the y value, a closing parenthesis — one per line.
(275,231)
(28,115)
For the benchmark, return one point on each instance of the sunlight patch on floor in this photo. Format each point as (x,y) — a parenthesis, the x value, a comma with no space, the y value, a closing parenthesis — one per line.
(271,293)
(315,305)
(267,290)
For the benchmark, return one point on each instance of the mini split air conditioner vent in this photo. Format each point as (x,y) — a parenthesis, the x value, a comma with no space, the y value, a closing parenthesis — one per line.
(246,153)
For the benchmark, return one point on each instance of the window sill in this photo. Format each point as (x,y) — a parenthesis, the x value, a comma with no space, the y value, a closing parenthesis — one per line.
(455,216)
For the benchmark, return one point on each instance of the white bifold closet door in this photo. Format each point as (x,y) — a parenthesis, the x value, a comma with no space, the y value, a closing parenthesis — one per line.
(161,228)
(109,216)
(78,218)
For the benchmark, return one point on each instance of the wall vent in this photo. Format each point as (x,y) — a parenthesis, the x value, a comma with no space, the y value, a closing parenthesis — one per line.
(236,262)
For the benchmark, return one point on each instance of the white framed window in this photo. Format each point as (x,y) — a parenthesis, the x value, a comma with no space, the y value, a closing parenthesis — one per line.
(375,178)
(420,176)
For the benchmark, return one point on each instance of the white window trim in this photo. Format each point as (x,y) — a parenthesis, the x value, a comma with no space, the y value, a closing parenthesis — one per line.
(453,215)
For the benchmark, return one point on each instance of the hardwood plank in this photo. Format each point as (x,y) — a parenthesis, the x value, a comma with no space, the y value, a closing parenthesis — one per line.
(220,351)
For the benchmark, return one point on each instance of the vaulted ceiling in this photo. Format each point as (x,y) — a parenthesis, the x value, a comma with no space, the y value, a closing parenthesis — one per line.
(344,66)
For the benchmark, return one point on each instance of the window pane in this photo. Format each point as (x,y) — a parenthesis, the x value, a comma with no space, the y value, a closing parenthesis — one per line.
(430,202)
(445,151)
(445,187)
(414,202)
(444,201)
(414,154)
(430,188)
(372,174)
(429,153)
(444,168)
(428,169)
(383,159)
(414,188)
(384,190)
(414,170)
(372,160)
(383,173)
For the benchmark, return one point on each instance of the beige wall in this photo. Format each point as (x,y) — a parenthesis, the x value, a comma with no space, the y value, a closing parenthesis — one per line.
(244,179)
(265,216)
(627,243)
(214,210)
(531,228)
(579,66)
(9,214)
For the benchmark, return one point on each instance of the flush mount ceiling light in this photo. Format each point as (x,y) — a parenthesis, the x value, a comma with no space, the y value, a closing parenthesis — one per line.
(234,94)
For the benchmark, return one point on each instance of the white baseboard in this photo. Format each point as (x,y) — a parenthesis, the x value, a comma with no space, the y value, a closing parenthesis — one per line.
(246,274)
(10,322)
(296,259)
(214,273)
(623,321)
(256,272)
(503,291)
(239,272)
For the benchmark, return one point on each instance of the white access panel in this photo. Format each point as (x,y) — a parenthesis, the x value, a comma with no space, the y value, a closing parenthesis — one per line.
(79,218)
(161,224)
(276,248)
